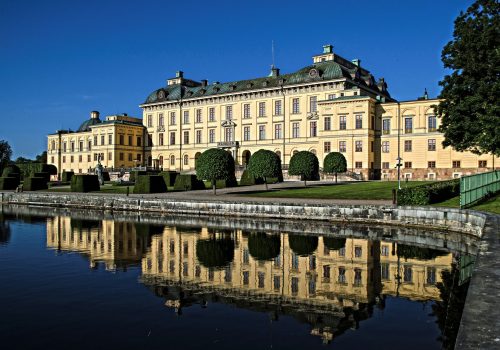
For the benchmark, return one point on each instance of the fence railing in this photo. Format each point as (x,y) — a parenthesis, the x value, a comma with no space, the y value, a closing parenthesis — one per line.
(473,188)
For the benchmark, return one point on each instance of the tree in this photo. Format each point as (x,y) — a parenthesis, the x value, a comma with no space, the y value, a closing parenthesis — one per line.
(264,164)
(5,154)
(215,252)
(42,157)
(262,246)
(469,111)
(303,245)
(215,164)
(335,163)
(305,164)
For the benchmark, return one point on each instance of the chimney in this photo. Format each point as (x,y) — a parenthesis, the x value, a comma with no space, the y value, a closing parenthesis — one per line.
(328,48)
(179,74)
(94,115)
(204,82)
(356,62)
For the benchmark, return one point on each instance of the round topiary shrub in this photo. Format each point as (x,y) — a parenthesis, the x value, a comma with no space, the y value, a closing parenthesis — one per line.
(265,164)
(49,168)
(262,246)
(305,164)
(335,163)
(303,245)
(85,183)
(215,164)
(215,253)
(334,243)
(150,184)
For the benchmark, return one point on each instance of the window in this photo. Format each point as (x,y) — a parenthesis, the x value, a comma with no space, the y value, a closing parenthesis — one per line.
(342,275)
(385,165)
(295,106)
(172,118)
(358,146)
(246,256)
(80,158)
(138,157)
(139,141)
(64,159)
(408,165)
(262,132)
(186,159)
(342,146)
(278,132)
(313,129)
(95,143)
(130,140)
(89,158)
(483,164)
(407,274)
(80,146)
(431,164)
(384,271)
(186,137)
(358,165)
(110,156)
(186,117)
(172,138)
(130,157)
(295,285)
(431,123)
(246,133)
(211,135)
(229,112)
(198,116)
(276,282)
(150,120)
(161,121)
(455,164)
(328,123)
(331,96)
(90,145)
(359,121)
(357,277)
(72,146)
(342,122)
(228,134)
(408,125)
(172,160)
(160,139)
(277,107)
(121,156)
(246,110)
(295,130)
(385,146)
(431,275)
(326,271)
(122,139)
(431,144)
(246,278)
(211,114)
(198,136)
(384,250)
(408,145)
(313,104)
(327,147)
(262,109)
(261,278)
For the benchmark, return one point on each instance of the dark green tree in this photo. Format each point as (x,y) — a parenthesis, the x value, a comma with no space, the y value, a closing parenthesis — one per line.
(303,245)
(5,154)
(335,163)
(334,243)
(469,110)
(215,252)
(42,157)
(305,164)
(262,246)
(215,164)
(264,164)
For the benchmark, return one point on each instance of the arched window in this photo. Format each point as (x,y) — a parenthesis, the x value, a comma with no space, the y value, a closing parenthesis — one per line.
(160,161)
(172,160)
(186,159)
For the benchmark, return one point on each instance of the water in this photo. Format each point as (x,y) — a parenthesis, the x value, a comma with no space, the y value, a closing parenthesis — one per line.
(111,282)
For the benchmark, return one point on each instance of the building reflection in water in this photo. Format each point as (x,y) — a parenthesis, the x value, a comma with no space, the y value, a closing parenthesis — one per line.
(330,283)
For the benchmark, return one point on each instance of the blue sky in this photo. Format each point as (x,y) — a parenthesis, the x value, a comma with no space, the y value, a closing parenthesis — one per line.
(61,59)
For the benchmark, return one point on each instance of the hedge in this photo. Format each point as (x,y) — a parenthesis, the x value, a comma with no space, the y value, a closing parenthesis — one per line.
(85,183)
(67,175)
(187,182)
(46,176)
(226,183)
(169,177)
(248,179)
(134,174)
(9,183)
(430,193)
(34,184)
(150,184)
(10,169)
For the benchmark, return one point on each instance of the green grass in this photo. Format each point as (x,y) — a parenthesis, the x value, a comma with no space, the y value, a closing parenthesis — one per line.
(355,190)
(491,205)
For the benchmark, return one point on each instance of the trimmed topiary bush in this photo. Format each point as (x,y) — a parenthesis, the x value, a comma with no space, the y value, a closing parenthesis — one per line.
(85,183)
(227,183)
(134,174)
(66,176)
(49,168)
(262,246)
(9,183)
(335,163)
(334,243)
(303,245)
(169,177)
(188,182)
(247,179)
(215,164)
(46,176)
(265,164)
(105,176)
(429,193)
(306,165)
(11,169)
(215,253)
(150,184)
(34,184)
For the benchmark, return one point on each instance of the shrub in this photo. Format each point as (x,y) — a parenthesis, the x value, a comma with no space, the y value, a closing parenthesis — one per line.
(35,184)
(215,253)
(188,182)
(29,169)
(150,184)
(85,183)
(105,176)
(247,179)
(335,163)
(49,168)
(265,164)
(262,246)
(66,176)
(46,176)
(134,174)
(215,164)
(9,183)
(227,183)
(334,243)
(10,169)
(169,177)
(429,193)
(305,164)
(303,245)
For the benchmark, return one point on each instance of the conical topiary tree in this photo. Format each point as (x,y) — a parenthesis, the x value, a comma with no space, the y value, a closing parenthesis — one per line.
(262,246)
(265,164)
(303,245)
(215,164)
(305,164)
(335,163)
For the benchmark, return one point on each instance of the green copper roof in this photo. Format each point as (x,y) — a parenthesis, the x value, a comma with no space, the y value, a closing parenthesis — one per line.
(88,123)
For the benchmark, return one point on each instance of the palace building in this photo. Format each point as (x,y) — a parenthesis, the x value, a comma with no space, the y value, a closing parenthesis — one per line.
(332,105)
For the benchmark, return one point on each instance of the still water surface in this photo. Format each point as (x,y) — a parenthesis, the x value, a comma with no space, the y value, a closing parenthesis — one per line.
(74,283)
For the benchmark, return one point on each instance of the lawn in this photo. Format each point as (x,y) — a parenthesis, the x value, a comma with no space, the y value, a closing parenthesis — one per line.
(491,205)
(353,190)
